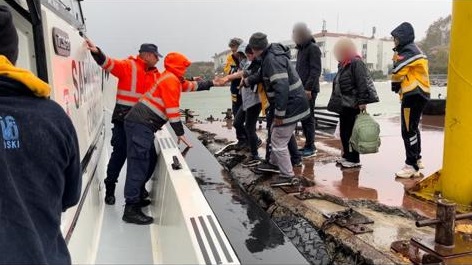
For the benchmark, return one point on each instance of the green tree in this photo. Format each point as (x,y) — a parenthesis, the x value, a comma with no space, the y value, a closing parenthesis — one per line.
(436,45)
(203,69)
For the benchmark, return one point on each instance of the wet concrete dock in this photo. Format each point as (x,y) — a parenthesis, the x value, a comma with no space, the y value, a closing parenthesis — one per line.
(376,179)
(371,190)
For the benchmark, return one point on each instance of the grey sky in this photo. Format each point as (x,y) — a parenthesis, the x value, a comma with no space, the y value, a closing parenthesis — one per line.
(199,28)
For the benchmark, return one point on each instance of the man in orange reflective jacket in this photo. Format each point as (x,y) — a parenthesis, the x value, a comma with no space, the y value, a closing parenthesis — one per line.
(136,75)
(154,109)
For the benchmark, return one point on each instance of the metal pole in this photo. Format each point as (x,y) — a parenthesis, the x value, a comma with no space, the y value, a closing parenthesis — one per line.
(456,180)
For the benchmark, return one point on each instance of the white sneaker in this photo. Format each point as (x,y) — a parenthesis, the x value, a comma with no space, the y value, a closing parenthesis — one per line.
(407,172)
(347,164)
(340,160)
(420,163)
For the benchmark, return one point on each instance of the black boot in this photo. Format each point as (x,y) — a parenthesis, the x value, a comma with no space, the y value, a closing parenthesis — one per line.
(110,193)
(133,214)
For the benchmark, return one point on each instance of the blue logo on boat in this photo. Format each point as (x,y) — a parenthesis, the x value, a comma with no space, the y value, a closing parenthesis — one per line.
(10,133)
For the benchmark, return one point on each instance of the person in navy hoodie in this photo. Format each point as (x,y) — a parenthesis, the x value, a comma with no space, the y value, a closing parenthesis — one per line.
(39,162)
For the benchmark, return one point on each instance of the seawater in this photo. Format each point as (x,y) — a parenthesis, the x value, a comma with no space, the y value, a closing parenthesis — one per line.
(218,100)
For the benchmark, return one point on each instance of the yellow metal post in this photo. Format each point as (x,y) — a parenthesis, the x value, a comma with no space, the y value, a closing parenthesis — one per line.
(454,181)
(456,176)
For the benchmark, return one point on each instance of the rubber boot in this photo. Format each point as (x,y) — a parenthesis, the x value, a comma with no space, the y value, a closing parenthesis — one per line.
(134,215)
(110,193)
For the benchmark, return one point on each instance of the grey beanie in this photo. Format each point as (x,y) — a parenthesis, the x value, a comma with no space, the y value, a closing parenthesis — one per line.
(8,35)
(258,41)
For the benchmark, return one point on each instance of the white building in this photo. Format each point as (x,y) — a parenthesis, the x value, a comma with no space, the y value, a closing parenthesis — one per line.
(377,53)
(219,60)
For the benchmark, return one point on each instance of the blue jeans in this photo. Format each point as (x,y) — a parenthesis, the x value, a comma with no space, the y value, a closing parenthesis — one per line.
(142,159)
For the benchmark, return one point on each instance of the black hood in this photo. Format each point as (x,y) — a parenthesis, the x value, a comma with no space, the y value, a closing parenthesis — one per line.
(306,43)
(404,33)
(279,50)
(13,88)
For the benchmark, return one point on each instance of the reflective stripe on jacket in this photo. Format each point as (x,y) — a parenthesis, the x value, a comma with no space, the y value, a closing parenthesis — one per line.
(164,98)
(133,78)
(412,73)
(410,65)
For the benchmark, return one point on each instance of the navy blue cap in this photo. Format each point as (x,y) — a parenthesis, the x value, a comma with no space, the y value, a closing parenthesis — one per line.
(149,47)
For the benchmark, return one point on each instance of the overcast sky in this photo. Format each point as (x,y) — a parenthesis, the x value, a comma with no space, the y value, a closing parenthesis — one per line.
(201,28)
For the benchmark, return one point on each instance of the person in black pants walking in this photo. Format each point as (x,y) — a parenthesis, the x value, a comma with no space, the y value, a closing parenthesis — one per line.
(309,70)
(353,89)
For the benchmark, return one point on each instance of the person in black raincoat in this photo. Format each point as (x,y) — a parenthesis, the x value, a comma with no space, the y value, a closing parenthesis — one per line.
(353,89)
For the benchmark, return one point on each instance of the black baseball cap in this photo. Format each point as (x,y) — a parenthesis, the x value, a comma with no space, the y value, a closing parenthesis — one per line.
(149,47)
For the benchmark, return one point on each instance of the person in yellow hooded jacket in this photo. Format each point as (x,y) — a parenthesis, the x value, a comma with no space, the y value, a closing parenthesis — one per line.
(39,162)
(231,67)
(410,79)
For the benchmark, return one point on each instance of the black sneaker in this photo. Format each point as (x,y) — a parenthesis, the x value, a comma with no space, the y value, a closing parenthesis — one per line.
(268,167)
(252,162)
(297,164)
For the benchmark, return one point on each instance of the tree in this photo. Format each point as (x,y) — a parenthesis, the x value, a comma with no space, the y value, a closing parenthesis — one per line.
(203,69)
(436,45)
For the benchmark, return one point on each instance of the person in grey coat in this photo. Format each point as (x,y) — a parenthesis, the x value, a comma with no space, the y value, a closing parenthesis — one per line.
(287,99)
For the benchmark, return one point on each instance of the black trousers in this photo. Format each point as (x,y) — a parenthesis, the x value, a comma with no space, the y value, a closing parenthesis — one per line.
(118,155)
(412,109)
(308,125)
(236,99)
(295,155)
(347,118)
(245,124)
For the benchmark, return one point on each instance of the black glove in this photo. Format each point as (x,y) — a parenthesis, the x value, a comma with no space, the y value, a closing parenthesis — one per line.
(396,86)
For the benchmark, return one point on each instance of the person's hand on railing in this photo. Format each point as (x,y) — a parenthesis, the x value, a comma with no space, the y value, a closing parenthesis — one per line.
(185,141)
(91,46)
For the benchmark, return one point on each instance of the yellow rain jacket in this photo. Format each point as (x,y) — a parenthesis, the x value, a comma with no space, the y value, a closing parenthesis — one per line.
(410,73)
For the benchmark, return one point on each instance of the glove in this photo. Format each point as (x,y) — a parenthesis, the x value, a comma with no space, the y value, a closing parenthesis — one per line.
(396,86)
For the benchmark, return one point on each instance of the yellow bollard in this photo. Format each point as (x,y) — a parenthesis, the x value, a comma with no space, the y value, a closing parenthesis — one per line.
(454,181)
(456,176)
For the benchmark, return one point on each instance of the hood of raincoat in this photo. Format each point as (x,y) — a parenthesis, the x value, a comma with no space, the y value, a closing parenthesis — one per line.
(176,63)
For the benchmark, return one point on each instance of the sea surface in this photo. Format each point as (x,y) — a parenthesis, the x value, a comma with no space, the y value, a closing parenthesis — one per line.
(218,100)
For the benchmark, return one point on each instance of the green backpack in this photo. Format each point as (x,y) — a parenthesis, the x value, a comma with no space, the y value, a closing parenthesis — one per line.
(365,137)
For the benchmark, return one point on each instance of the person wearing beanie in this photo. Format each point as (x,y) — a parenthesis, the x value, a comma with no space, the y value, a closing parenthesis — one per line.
(287,99)
(39,162)
(309,69)
(8,36)
(410,79)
